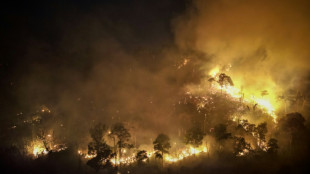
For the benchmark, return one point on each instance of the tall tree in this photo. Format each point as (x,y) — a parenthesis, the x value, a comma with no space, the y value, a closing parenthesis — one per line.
(99,148)
(241,147)
(161,146)
(194,136)
(262,130)
(293,124)
(123,136)
(221,134)
(43,137)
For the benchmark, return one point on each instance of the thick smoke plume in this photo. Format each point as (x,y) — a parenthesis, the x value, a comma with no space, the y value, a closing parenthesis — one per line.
(266,42)
(94,64)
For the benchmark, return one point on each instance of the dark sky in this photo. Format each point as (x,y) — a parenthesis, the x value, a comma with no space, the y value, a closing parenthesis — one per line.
(58,35)
(90,60)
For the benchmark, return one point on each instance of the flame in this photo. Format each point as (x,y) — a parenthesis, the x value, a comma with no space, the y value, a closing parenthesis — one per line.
(131,158)
(268,103)
(124,160)
(243,153)
(213,72)
(186,152)
(37,148)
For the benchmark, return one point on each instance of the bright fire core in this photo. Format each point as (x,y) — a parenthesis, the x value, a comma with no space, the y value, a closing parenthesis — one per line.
(265,99)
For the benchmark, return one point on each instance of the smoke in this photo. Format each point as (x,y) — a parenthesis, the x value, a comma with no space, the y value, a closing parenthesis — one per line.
(265,42)
(147,65)
(92,64)
(89,66)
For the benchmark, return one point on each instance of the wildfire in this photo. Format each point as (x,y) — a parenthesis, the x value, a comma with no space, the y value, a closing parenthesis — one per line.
(213,72)
(37,148)
(189,151)
(131,158)
(243,153)
(124,160)
(265,101)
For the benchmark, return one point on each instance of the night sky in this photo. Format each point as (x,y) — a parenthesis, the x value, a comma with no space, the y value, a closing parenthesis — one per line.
(48,47)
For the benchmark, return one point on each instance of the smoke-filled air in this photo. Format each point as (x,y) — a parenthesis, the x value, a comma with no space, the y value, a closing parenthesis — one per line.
(167,86)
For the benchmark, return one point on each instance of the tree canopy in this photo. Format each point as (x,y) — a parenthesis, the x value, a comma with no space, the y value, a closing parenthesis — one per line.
(161,145)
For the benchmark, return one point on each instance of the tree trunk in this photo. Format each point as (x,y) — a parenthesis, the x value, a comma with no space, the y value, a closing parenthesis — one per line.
(120,156)
(162,154)
(115,152)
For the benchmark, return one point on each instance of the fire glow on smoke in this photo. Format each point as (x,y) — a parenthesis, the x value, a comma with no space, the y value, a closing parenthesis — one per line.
(265,98)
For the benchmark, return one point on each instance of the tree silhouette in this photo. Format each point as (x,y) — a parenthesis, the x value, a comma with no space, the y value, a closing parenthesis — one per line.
(241,146)
(123,137)
(247,126)
(99,148)
(225,79)
(194,136)
(221,134)
(293,123)
(43,137)
(141,156)
(161,146)
(262,130)
(272,146)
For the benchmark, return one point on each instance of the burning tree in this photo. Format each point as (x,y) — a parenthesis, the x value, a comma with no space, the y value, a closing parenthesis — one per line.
(37,131)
